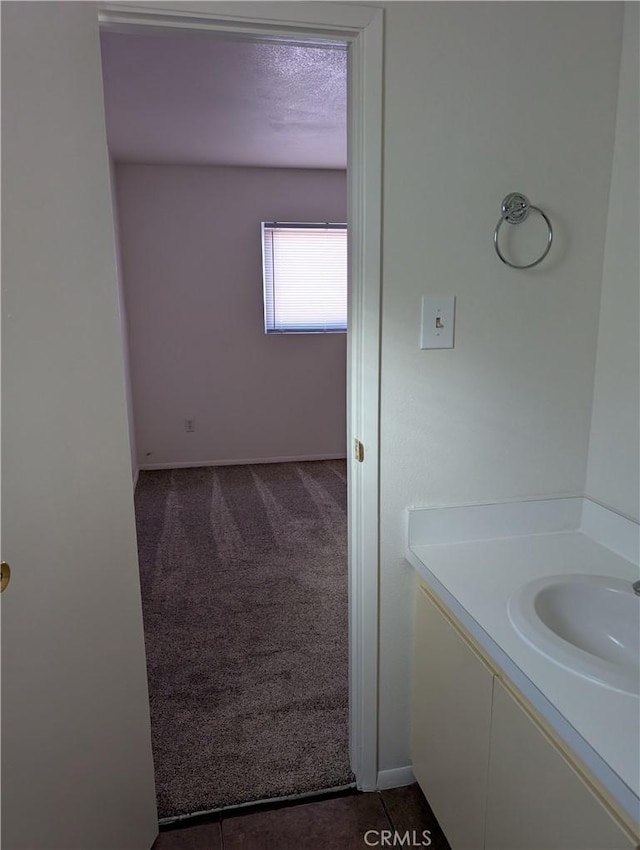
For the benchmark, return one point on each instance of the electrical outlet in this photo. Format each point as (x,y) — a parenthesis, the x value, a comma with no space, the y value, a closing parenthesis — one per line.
(189,425)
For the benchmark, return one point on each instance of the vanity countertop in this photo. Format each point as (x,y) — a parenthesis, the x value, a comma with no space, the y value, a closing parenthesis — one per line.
(475,578)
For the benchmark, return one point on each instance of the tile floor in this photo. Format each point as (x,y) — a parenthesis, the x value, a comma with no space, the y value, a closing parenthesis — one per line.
(349,821)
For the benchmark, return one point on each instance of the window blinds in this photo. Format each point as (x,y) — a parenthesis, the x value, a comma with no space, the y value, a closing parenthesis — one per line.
(305,277)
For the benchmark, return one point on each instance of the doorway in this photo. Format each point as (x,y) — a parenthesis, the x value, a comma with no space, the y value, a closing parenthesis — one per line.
(241,513)
(362,377)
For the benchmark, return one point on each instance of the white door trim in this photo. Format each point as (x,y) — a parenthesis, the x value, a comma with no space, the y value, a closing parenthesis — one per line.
(362,28)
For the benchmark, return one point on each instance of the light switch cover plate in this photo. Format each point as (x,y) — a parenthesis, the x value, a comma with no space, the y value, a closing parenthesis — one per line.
(438,320)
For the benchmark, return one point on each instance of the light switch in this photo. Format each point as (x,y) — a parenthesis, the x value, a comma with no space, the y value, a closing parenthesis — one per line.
(438,318)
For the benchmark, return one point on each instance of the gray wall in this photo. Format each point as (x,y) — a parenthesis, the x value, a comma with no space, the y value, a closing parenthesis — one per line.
(613,475)
(192,264)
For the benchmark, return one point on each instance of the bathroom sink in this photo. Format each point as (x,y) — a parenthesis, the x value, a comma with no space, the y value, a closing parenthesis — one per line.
(587,624)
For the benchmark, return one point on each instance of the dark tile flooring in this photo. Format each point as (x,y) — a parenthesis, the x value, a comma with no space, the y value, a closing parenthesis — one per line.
(347,821)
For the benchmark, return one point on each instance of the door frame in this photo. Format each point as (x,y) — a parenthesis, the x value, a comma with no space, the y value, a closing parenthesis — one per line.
(361,28)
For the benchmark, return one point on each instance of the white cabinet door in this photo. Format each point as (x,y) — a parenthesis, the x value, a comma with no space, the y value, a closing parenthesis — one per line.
(450,725)
(536,800)
(77,770)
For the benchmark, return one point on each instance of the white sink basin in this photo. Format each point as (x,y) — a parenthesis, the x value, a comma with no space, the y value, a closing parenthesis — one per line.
(587,624)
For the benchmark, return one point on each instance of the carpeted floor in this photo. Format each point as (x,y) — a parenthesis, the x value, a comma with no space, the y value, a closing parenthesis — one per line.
(244,587)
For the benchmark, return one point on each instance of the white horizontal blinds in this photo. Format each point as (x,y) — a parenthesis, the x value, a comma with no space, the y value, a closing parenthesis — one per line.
(305,278)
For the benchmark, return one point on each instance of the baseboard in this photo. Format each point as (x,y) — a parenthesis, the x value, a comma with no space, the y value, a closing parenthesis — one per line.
(241,461)
(136,475)
(397,777)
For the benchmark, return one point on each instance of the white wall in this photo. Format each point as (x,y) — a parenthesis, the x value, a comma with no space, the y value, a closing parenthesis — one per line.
(123,326)
(482,99)
(192,265)
(613,474)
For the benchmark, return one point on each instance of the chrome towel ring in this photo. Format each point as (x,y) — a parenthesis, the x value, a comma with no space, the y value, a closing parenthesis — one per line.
(515,208)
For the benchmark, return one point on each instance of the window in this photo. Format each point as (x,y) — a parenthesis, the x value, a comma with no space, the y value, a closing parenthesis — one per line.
(305,277)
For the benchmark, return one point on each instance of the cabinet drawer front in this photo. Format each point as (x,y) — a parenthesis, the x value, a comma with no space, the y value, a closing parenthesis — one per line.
(451,726)
(536,800)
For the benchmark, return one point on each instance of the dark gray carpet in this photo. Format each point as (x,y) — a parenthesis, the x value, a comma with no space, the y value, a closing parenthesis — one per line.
(244,588)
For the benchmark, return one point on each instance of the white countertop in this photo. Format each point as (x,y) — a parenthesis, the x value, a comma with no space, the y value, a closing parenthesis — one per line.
(475,579)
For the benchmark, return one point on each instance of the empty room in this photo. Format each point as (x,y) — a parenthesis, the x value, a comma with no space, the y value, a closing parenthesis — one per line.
(229,186)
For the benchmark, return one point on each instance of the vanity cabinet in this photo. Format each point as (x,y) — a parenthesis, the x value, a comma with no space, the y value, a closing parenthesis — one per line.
(536,799)
(451,725)
(494,776)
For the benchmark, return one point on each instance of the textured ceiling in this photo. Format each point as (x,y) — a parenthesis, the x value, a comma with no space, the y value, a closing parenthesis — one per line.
(201,100)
